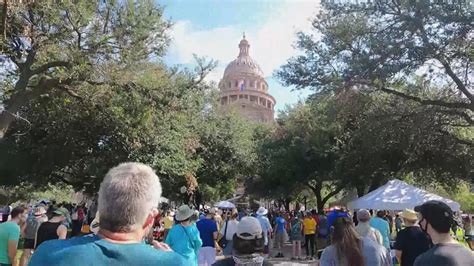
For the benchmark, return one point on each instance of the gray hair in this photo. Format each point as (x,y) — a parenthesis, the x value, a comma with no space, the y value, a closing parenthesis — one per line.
(127,194)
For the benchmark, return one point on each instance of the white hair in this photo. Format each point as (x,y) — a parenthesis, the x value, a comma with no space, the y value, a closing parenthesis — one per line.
(127,194)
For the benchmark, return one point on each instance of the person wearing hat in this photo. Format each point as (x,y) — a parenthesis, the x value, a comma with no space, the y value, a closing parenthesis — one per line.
(266,227)
(208,232)
(411,241)
(436,219)
(183,237)
(248,245)
(54,228)
(364,229)
(32,224)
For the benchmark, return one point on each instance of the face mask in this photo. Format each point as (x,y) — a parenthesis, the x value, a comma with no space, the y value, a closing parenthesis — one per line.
(421,226)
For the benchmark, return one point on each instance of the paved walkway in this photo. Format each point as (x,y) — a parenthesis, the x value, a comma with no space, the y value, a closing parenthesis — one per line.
(288,252)
(286,261)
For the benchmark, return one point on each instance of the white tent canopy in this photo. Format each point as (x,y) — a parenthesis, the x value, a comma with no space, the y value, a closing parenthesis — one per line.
(397,195)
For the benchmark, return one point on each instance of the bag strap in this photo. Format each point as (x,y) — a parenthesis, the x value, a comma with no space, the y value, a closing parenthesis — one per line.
(225,229)
(186,232)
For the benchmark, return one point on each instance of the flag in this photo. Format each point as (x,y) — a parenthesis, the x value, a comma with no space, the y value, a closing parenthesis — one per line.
(242,86)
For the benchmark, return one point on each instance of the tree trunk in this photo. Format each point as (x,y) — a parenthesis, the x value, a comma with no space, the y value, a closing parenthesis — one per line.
(360,191)
(320,200)
(13,105)
(20,97)
(287,203)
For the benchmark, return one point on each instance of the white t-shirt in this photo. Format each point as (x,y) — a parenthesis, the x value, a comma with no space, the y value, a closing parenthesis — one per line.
(231,229)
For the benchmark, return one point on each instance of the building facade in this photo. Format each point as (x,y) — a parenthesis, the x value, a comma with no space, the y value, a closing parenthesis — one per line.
(243,88)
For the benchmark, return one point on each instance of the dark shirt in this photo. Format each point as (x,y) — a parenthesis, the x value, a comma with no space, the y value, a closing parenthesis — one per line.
(206,228)
(446,255)
(412,241)
(47,231)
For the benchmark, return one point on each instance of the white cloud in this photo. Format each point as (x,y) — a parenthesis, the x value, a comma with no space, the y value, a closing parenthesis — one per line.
(271,43)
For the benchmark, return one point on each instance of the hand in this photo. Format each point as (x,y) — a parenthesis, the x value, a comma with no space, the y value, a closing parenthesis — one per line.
(161,246)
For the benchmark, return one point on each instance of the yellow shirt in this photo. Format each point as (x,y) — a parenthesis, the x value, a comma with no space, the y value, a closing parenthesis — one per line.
(168,222)
(309,226)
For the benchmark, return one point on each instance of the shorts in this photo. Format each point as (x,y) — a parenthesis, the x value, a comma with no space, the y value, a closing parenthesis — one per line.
(29,243)
(206,256)
(279,239)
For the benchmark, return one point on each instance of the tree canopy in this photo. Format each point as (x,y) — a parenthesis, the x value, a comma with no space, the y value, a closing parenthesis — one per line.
(421,51)
(52,46)
(110,100)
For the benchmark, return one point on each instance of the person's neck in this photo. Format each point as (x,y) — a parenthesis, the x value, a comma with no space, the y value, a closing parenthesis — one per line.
(444,238)
(15,220)
(55,220)
(119,237)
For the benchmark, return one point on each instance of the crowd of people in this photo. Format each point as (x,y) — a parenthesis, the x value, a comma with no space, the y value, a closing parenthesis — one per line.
(126,227)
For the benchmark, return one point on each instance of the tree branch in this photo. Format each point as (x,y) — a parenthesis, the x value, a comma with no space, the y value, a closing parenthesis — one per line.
(332,193)
(459,105)
(70,91)
(48,65)
(456,80)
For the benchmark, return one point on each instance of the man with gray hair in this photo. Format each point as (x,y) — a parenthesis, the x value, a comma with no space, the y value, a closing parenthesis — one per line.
(128,200)
(364,229)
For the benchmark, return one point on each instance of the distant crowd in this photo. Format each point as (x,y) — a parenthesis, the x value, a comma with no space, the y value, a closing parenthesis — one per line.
(125,226)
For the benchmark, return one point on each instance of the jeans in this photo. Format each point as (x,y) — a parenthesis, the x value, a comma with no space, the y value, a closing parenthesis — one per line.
(309,240)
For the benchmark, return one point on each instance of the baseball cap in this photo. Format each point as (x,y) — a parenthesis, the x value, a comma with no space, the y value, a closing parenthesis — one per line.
(64,212)
(438,214)
(249,228)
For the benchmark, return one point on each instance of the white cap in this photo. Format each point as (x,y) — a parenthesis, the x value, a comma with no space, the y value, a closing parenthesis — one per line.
(249,228)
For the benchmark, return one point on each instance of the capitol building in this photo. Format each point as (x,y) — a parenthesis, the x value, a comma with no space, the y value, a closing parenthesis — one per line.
(243,88)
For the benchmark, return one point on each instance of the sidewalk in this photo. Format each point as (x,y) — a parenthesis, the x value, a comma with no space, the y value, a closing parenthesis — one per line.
(286,261)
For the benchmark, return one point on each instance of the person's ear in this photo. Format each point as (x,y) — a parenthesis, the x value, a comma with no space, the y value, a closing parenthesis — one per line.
(150,219)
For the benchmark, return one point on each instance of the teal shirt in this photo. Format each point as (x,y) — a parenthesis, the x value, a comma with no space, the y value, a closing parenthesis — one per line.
(186,241)
(8,231)
(92,250)
(384,229)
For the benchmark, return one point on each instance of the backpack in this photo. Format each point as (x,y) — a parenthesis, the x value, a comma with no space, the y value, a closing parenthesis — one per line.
(296,229)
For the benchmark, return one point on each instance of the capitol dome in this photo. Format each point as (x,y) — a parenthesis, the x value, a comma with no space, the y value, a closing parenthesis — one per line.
(244,88)
(243,64)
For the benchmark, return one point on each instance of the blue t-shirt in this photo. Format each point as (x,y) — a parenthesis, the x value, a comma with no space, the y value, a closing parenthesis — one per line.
(185,241)
(280,224)
(92,250)
(206,228)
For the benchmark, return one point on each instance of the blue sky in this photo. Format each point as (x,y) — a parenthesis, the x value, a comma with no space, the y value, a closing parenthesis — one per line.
(213,28)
